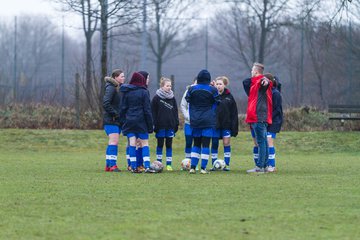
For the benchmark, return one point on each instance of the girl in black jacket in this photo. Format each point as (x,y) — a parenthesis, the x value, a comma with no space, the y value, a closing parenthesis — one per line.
(226,121)
(111,105)
(277,120)
(166,119)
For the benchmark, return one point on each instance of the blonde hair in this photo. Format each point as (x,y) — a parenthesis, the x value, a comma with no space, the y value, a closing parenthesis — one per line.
(163,80)
(224,79)
(259,67)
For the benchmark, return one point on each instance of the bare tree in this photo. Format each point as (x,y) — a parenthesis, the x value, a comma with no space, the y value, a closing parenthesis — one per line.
(89,12)
(247,28)
(37,66)
(120,12)
(169,32)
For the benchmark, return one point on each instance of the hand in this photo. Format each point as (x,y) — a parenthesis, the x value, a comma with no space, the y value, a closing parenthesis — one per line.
(264,82)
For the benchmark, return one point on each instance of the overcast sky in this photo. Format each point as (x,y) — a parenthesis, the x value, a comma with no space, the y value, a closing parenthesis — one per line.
(11,8)
(16,7)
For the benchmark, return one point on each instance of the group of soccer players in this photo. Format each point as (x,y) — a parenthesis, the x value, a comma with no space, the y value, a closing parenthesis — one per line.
(210,114)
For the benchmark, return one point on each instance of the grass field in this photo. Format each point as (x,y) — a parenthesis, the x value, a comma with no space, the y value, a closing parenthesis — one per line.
(53,187)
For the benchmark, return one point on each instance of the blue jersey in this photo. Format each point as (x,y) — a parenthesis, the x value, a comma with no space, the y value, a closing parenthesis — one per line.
(202,99)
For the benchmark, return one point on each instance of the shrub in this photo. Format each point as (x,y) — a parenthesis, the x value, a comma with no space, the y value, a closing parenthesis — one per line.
(45,116)
(54,117)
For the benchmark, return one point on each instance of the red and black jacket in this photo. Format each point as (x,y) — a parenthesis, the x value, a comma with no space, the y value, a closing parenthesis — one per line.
(259,107)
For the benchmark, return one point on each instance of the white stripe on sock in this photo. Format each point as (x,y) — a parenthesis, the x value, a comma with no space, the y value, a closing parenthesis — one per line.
(195,155)
(111,157)
(205,156)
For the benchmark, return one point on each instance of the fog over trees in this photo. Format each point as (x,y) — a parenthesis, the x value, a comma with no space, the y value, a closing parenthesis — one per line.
(312,46)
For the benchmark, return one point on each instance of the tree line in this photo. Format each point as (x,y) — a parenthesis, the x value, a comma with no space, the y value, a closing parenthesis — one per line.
(313,46)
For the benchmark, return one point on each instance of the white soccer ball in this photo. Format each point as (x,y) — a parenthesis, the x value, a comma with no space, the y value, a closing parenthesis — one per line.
(157,166)
(185,164)
(219,164)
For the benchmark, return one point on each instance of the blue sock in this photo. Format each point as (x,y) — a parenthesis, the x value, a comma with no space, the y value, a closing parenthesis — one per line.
(227,155)
(214,149)
(111,155)
(132,154)
(139,158)
(128,156)
(204,157)
(168,156)
(146,156)
(256,155)
(187,152)
(159,154)
(271,156)
(188,146)
(195,155)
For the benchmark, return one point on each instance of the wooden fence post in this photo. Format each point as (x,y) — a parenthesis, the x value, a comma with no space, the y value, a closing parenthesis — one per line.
(77,99)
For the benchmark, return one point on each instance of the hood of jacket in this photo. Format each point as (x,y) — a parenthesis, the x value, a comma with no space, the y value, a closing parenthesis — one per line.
(129,87)
(111,80)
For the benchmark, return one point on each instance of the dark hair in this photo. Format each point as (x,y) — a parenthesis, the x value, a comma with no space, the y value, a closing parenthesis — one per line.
(115,73)
(138,80)
(144,73)
(271,78)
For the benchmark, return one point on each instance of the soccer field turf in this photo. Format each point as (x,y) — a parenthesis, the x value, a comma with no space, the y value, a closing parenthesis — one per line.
(53,186)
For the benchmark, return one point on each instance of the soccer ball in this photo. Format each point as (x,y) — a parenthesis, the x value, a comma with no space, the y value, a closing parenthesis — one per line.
(185,164)
(157,166)
(219,164)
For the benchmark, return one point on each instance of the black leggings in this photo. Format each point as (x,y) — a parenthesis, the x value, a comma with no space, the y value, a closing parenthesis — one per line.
(168,143)
(202,142)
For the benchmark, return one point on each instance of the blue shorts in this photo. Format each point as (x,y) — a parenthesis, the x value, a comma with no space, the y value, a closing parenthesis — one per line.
(162,133)
(142,136)
(187,130)
(271,135)
(202,132)
(109,129)
(221,133)
(268,134)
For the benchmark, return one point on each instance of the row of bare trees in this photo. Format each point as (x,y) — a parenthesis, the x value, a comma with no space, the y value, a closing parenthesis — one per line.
(316,55)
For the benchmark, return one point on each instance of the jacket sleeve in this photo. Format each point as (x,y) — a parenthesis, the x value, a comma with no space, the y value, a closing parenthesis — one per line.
(246,85)
(123,109)
(217,96)
(108,96)
(277,105)
(188,95)
(176,116)
(234,118)
(154,110)
(147,111)
(184,107)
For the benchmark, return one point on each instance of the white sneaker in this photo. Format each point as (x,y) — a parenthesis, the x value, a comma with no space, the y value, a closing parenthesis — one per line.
(254,170)
(192,171)
(204,171)
(271,169)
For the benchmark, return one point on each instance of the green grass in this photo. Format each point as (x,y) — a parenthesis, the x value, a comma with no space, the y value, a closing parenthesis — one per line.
(53,187)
